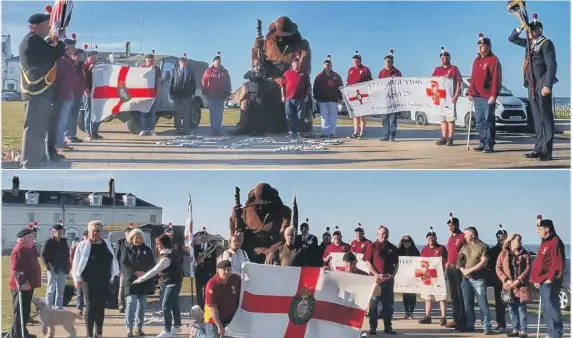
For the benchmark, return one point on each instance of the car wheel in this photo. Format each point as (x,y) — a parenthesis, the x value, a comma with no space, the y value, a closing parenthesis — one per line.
(69,292)
(195,114)
(133,123)
(421,118)
(564,297)
(472,123)
(81,120)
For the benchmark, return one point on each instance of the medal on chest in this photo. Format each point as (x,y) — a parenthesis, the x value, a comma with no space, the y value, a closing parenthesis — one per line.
(233,289)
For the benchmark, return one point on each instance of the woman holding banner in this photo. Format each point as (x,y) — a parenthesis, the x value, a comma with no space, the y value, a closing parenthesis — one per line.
(406,247)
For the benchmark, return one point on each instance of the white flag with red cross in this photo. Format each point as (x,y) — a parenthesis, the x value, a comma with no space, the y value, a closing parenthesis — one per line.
(119,88)
(337,262)
(292,302)
(422,275)
(431,95)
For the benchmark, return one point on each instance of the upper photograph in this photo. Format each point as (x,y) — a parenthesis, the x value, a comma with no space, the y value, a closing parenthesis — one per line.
(285,85)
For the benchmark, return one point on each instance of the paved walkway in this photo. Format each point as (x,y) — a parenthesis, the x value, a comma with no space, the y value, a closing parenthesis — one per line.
(115,324)
(415,149)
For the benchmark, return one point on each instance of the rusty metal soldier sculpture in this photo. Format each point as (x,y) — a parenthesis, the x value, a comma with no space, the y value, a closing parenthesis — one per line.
(539,77)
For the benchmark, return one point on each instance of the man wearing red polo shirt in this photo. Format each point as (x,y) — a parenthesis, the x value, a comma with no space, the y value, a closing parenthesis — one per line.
(449,71)
(360,244)
(337,245)
(295,87)
(454,276)
(389,121)
(221,300)
(382,261)
(358,73)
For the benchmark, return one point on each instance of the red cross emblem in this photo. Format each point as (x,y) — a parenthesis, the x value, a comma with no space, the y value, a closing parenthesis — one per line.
(303,307)
(425,273)
(122,92)
(359,97)
(436,93)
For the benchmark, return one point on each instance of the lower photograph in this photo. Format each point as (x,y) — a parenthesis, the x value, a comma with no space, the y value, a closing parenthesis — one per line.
(285,254)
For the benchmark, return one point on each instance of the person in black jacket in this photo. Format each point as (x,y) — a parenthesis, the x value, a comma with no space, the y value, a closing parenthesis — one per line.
(406,247)
(119,250)
(136,260)
(206,266)
(494,281)
(56,256)
(309,243)
(38,62)
(182,90)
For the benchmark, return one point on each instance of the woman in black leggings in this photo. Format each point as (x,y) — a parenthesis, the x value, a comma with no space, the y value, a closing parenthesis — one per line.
(406,247)
(94,266)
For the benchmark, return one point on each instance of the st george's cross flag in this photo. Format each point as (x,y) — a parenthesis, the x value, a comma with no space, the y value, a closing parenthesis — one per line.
(293,302)
(337,261)
(118,88)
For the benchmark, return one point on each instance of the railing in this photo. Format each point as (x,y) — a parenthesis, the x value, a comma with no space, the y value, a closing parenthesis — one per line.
(561,108)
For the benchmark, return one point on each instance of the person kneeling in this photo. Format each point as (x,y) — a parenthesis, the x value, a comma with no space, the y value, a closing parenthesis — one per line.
(222,294)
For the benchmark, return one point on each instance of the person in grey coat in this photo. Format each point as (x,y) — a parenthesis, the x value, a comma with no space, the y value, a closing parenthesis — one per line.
(182,89)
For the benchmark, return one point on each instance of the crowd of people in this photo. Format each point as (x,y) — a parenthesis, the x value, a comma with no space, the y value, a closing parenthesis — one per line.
(470,265)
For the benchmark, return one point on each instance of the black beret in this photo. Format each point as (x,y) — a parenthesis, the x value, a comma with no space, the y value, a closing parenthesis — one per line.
(473,230)
(349,257)
(546,223)
(58,227)
(337,233)
(24,232)
(79,51)
(91,53)
(168,229)
(38,18)
(483,40)
(304,225)
(149,56)
(327,232)
(85,233)
(431,233)
(454,219)
(501,231)
(359,229)
(444,52)
(129,228)
(224,264)
(70,42)
(356,56)
(389,56)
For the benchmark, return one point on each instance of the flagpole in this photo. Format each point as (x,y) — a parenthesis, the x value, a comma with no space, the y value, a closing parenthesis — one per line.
(62,201)
(92,22)
(143,25)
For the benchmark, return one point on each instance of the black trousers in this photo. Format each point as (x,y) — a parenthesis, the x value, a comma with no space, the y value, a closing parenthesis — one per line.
(543,122)
(409,302)
(51,147)
(500,307)
(26,307)
(95,298)
(201,283)
(455,278)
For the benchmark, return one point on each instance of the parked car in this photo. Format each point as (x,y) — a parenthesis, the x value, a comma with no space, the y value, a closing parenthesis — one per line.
(510,111)
(561,109)
(11,96)
(231,104)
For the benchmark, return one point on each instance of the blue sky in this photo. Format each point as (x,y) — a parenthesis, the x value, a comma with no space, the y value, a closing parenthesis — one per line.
(408,202)
(415,30)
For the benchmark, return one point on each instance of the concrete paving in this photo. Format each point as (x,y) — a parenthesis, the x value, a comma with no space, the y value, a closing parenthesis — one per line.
(115,323)
(414,149)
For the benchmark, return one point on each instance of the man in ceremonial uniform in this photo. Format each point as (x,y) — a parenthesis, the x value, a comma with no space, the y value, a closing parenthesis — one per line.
(452,72)
(326,240)
(26,272)
(56,257)
(485,87)
(539,78)
(547,274)
(382,261)
(291,253)
(357,73)
(38,62)
(206,265)
(434,249)
(295,86)
(360,244)
(389,121)
(309,243)
(182,88)
(494,281)
(454,277)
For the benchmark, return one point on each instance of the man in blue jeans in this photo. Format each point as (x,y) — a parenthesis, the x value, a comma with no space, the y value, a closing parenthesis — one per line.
(389,121)
(56,257)
(91,128)
(484,88)
(472,263)
(295,93)
(148,120)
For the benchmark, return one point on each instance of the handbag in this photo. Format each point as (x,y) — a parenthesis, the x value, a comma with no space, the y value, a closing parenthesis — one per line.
(507,297)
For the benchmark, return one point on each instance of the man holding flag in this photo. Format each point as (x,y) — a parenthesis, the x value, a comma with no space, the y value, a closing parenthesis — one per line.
(189,242)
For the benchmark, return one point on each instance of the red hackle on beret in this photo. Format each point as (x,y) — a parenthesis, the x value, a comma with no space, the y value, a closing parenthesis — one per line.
(74,36)
(85,46)
(48,9)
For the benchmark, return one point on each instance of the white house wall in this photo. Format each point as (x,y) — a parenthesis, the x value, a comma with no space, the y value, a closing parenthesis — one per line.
(13,77)
(16,217)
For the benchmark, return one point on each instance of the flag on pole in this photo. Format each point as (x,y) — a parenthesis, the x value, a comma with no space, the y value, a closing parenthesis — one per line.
(189,235)
(310,303)
(294,219)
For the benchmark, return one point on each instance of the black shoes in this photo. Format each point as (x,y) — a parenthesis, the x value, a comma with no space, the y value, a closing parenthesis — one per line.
(389,330)
(543,157)
(533,154)
(480,148)
(425,320)
(444,142)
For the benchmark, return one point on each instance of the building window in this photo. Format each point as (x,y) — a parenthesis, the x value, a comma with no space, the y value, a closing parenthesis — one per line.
(31,217)
(32,198)
(95,199)
(129,217)
(57,217)
(97,217)
(129,200)
(71,217)
(153,219)
(11,86)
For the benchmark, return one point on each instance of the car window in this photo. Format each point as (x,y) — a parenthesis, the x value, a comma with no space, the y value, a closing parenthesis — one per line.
(167,70)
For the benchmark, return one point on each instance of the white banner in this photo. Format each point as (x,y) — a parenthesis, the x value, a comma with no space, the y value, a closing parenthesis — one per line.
(121,88)
(422,275)
(393,95)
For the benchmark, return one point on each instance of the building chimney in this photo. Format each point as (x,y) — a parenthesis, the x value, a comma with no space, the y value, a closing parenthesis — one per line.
(15,186)
(111,188)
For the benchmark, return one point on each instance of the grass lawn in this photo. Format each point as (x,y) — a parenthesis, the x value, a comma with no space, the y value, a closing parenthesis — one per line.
(13,122)
(41,292)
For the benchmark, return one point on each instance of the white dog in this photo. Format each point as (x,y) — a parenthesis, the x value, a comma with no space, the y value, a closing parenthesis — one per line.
(197,320)
(51,318)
